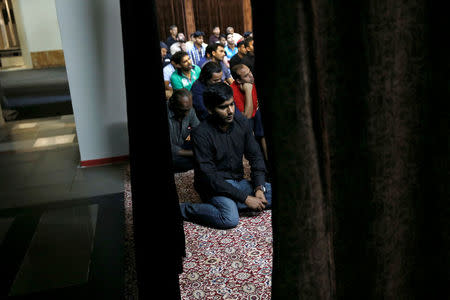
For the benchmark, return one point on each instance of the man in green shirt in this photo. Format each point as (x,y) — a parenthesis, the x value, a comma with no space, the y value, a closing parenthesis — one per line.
(185,73)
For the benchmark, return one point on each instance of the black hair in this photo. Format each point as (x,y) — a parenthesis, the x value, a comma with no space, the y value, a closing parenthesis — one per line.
(208,70)
(199,33)
(172,27)
(178,94)
(212,47)
(177,56)
(216,94)
(240,43)
(248,40)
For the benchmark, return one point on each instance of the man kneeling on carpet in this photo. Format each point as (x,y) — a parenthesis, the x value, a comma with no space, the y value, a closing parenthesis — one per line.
(219,144)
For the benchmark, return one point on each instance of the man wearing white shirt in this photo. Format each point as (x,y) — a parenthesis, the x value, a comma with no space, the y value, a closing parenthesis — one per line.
(236,36)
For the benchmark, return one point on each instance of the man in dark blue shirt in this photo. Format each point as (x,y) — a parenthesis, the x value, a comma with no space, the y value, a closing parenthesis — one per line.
(211,73)
(219,145)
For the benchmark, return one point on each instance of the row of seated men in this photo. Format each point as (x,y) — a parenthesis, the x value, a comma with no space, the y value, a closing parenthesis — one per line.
(214,122)
(200,53)
(244,94)
(196,46)
(215,147)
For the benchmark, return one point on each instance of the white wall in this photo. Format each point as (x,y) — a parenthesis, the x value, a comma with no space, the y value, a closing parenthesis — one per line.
(38,24)
(92,42)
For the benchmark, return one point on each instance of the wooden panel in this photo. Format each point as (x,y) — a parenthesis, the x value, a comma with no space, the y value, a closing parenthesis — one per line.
(191,15)
(190,18)
(247,15)
(46,59)
(232,15)
(170,12)
(210,13)
(207,15)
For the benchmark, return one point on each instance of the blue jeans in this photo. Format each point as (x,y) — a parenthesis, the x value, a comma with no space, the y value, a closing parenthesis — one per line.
(222,212)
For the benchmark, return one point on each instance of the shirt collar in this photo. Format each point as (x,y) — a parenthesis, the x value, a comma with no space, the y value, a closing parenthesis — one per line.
(214,124)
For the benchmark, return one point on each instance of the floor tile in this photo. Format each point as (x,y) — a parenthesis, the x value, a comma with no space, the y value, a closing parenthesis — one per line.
(13,176)
(11,159)
(16,145)
(54,140)
(5,223)
(55,132)
(35,195)
(60,252)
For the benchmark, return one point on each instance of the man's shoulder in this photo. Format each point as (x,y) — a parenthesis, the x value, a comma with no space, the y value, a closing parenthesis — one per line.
(197,86)
(202,129)
(175,76)
(236,89)
(196,69)
(235,60)
(234,85)
(168,68)
(240,119)
(203,61)
(235,57)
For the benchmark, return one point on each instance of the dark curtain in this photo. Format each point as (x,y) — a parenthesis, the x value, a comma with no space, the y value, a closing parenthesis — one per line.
(169,12)
(158,227)
(354,99)
(210,13)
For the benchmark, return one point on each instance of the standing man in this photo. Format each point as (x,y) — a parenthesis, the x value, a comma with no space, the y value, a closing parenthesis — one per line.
(216,53)
(197,52)
(241,52)
(173,30)
(219,144)
(182,120)
(185,73)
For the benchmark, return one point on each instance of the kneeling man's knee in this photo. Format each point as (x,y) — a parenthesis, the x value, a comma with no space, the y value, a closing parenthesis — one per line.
(228,222)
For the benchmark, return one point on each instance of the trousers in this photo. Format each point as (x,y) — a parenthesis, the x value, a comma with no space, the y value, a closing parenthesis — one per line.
(222,212)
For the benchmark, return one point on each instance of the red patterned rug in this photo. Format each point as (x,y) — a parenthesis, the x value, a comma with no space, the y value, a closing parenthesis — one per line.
(219,264)
(228,264)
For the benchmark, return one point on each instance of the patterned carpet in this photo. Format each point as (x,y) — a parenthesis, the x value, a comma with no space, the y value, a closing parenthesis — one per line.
(228,264)
(219,264)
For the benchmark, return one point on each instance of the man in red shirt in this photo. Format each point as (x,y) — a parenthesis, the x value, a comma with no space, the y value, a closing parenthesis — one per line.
(246,100)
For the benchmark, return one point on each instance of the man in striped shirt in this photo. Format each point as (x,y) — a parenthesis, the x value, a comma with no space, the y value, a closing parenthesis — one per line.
(197,52)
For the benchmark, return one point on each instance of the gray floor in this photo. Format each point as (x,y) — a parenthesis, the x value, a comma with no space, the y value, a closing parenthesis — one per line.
(38,175)
(40,178)
(61,226)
